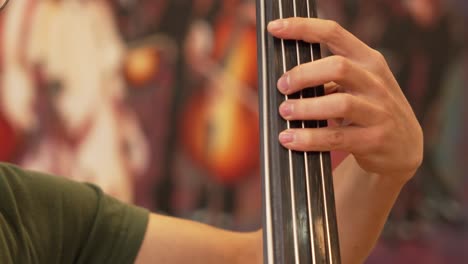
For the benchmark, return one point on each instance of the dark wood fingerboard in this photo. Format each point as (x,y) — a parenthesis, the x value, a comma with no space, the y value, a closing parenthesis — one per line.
(298,199)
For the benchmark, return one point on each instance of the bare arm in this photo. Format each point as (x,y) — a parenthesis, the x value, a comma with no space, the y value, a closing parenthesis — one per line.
(172,240)
(363,202)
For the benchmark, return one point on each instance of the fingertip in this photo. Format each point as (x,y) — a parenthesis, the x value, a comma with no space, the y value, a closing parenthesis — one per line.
(286,109)
(284,83)
(286,137)
(276,26)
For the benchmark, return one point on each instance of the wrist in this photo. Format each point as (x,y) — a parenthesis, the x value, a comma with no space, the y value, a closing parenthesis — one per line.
(395,179)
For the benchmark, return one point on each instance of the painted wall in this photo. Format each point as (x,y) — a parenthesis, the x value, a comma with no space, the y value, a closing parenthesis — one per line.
(155,101)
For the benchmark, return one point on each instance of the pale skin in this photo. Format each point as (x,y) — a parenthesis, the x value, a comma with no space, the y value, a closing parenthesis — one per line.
(376,125)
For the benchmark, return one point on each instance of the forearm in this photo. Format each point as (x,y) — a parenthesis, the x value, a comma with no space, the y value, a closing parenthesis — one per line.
(172,240)
(363,203)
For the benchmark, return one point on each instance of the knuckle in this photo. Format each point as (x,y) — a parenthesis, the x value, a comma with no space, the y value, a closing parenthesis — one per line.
(378,139)
(303,109)
(333,30)
(308,141)
(296,77)
(379,57)
(383,114)
(417,159)
(380,84)
(297,26)
(302,23)
(342,66)
(380,88)
(346,104)
(379,61)
(335,139)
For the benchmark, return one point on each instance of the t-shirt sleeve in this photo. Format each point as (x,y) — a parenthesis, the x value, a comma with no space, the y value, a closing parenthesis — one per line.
(48,219)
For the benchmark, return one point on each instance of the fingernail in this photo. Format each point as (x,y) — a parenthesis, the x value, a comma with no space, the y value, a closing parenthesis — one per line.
(286,137)
(283,83)
(286,109)
(276,25)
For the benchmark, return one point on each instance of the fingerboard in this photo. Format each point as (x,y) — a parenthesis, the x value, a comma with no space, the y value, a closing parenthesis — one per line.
(298,198)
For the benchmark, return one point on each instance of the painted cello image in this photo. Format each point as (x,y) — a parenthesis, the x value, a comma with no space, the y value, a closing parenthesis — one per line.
(219,123)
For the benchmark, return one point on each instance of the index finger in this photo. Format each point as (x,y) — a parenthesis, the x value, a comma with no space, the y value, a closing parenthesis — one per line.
(314,30)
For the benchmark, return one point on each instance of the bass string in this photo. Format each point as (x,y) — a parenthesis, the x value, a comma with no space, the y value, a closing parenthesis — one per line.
(306,164)
(322,170)
(291,169)
(268,205)
(290,154)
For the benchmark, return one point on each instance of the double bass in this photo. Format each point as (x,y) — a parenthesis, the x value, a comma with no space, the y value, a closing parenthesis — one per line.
(298,199)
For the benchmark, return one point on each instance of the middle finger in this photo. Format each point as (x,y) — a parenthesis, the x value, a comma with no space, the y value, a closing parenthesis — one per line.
(330,69)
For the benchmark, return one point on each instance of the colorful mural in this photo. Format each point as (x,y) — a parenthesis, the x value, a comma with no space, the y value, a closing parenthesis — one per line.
(156,102)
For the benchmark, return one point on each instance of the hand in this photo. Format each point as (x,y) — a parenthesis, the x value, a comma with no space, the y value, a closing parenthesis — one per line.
(378,125)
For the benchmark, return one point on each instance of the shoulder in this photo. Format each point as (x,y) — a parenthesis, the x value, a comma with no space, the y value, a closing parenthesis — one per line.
(8,170)
(11,179)
(50,210)
(35,183)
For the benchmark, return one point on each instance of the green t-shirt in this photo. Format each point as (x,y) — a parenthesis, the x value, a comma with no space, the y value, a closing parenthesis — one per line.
(47,219)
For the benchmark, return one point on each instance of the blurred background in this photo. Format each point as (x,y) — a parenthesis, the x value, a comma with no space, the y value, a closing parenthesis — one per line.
(156,102)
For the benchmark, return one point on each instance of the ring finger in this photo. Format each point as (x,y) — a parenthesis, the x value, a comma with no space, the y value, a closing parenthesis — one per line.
(334,106)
